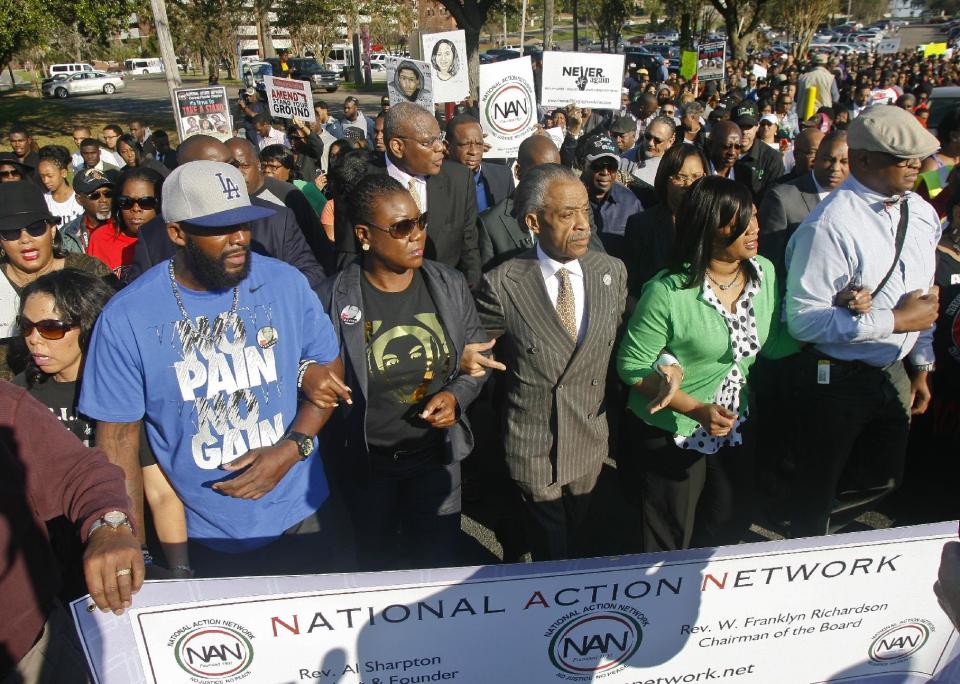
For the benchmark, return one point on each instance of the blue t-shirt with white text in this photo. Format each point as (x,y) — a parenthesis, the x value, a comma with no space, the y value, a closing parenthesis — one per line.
(211,391)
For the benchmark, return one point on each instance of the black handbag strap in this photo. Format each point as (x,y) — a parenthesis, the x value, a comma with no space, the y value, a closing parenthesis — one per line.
(901,237)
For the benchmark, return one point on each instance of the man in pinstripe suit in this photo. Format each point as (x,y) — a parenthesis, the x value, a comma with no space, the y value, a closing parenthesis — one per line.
(554,310)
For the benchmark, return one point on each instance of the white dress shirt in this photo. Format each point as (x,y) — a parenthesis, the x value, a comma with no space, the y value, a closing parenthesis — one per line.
(852,233)
(549,268)
(821,191)
(404,178)
(274,137)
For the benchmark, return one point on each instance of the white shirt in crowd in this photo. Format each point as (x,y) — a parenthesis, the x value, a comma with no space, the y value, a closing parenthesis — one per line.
(404,179)
(274,137)
(549,268)
(67,211)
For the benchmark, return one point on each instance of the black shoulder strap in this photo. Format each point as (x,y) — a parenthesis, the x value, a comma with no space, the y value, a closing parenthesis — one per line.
(901,236)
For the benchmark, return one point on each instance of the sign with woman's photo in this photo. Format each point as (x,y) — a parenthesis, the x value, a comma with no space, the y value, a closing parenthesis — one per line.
(447,54)
(203,110)
(409,81)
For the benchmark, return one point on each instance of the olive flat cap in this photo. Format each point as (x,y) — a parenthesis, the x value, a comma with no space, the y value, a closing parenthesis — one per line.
(889,129)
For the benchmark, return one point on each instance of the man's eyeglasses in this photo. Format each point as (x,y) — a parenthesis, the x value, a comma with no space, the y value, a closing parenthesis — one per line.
(127,202)
(472,144)
(900,162)
(100,194)
(653,138)
(732,146)
(683,179)
(35,229)
(10,173)
(49,328)
(431,143)
(404,227)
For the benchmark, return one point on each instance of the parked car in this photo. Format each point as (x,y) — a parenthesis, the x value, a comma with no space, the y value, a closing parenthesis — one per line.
(309,69)
(84,83)
(67,69)
(500,55)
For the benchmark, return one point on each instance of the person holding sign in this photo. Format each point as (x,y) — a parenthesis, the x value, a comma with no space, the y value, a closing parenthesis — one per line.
(715,308)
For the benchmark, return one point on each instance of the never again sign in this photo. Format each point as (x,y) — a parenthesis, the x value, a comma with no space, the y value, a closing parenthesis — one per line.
(288,98)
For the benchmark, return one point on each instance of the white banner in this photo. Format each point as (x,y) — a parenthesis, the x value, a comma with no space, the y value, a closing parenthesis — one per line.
(508,105)
(852,608)
(409,81)
(586,79)
(888,46)
(288,98)
(447,54)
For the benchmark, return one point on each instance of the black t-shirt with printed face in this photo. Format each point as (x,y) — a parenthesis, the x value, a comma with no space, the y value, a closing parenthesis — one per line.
(408,360)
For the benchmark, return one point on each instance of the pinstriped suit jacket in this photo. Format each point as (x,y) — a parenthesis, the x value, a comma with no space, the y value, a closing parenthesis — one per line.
(554,413)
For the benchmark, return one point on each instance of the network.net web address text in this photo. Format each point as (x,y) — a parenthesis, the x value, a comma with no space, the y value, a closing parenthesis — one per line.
(702,676)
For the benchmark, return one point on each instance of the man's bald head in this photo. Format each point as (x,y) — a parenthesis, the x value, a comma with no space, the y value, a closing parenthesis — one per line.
(246,157)
(805,148)
(202,147)
(535,151)
(406,119)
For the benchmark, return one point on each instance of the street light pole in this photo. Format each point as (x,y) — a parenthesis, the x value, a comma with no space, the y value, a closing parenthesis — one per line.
(576,36)
(167,54)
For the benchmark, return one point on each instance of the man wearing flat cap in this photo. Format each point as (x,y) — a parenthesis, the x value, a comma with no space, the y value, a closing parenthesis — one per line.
(852,394)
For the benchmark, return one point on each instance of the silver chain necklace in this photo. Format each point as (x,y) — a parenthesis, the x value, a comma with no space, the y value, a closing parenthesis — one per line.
(183,310)
(721,285)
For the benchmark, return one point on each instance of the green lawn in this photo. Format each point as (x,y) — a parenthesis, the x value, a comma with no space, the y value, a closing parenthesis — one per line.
(51,121)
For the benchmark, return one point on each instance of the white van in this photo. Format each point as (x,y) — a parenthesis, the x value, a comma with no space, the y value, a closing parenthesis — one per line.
(341,57)
(144,65)
(68,69)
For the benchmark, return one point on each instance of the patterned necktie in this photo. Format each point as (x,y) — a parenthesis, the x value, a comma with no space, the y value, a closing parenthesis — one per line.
(415,193)
(566,308)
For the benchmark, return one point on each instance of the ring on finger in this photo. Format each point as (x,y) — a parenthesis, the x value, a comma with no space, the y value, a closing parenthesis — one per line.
(123,571)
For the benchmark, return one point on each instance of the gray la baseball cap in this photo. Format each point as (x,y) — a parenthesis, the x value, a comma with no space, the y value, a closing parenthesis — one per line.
(208,194)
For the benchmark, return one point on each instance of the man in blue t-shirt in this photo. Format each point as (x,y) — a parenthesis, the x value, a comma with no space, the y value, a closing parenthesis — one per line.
(209,349)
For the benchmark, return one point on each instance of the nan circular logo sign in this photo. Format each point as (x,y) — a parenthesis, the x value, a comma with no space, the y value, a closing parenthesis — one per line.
(510,107)
(900,641)
(214,653)
(595,643)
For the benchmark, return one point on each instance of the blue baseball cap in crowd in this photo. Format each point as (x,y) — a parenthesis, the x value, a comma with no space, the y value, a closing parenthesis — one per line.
(209,194)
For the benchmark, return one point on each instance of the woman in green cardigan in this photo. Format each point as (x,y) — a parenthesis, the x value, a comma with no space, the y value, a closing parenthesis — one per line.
(715,308)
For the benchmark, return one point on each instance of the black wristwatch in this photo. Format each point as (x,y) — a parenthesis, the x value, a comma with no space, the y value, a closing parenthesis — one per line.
(303,442)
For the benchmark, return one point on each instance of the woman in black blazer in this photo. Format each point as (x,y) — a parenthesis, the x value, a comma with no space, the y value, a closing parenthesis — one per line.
(402,322)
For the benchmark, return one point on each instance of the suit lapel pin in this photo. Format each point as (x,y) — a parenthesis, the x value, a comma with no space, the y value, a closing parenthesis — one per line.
(607,279)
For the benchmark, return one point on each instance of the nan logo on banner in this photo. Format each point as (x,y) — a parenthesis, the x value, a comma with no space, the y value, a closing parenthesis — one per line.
(213,651)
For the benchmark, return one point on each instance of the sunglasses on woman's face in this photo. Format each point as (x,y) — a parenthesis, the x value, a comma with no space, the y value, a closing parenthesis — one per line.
(402,229)
(127,202)
(49,328)
(35,229)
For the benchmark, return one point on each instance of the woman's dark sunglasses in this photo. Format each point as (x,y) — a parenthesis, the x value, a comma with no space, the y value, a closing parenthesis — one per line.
(127,202)
(49,329)
(402,229)
(35,229)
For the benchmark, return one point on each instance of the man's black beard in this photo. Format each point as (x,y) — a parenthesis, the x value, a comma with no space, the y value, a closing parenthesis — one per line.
(211,273)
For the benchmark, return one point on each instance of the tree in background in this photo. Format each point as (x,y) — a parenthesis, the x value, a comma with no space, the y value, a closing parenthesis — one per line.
(607,18)
(801,18)
(309,24)
(70,27)
(208,28)
(742,19)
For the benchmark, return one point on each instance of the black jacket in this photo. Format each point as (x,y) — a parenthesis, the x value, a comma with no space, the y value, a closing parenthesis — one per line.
(276,236)
(759,169)
(346,431)
(499,182)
